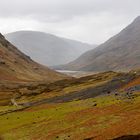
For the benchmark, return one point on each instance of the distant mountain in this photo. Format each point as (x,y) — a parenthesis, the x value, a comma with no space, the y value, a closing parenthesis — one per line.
(16,66)
(121,52)
(48,49)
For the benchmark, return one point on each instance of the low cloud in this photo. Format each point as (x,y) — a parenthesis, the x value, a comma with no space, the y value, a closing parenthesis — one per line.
(91,21)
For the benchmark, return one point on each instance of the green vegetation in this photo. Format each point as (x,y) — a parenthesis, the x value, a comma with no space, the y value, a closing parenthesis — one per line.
(103,116)
(58,121)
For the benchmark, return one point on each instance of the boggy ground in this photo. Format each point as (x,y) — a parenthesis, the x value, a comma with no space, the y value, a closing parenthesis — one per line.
(105,117)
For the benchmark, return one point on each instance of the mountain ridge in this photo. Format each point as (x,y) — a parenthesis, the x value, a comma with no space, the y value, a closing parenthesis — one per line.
(121,52)
(47,48)
(16,66)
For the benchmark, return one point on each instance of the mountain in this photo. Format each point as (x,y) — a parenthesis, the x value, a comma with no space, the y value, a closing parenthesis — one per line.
(121,52)
(48,49)
(16,66)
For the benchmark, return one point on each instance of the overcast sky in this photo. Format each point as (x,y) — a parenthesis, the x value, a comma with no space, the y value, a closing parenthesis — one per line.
(92,21)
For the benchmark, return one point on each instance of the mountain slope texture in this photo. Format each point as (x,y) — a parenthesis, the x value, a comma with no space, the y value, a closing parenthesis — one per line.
(121,52)
(16,66)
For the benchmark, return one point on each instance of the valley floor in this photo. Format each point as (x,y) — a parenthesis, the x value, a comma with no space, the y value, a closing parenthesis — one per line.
(105,117)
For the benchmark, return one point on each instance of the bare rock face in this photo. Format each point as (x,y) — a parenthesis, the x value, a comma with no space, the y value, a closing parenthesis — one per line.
(16,66)
(121,52)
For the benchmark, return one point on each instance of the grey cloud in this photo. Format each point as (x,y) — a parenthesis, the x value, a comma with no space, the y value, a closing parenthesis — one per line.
(57,10)
(85,20)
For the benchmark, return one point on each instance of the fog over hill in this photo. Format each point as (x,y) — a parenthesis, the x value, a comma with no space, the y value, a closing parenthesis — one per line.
(46,48)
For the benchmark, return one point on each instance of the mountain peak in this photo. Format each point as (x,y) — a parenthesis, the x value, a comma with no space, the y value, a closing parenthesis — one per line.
(47,48)
(1,36)
(121,52)
(137,19)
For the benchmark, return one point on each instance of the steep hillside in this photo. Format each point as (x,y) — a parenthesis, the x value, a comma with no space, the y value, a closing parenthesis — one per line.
(46,48)
(121,52)
(15,66)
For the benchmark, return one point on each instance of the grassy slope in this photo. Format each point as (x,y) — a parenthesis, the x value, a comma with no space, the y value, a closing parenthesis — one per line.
(60,88)
(103,117)
(18,69)
(81,88)
(77,120)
